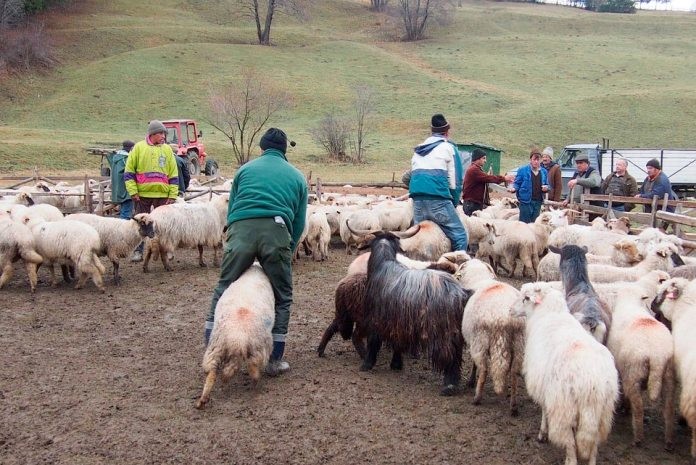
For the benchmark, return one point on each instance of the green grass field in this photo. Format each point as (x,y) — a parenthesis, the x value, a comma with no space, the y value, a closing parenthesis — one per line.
(506,74)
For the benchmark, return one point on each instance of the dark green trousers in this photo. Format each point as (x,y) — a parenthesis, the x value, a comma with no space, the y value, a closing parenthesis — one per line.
(268,241)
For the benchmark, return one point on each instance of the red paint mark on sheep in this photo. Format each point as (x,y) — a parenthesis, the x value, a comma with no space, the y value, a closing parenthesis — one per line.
(644,323)
(495,289)
(244,313)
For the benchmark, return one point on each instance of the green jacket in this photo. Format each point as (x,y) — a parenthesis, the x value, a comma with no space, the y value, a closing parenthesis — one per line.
(151,171)
(117,163)
(270,186)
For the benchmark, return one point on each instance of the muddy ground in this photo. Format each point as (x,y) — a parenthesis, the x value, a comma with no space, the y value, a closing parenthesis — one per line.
(90,378)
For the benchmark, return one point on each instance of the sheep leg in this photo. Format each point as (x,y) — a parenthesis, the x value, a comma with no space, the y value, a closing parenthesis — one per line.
(148,255)
(98,280)
(544,427)
(592,460)
(165,257)
(328,334)
(635,399)
(207,387)
(472,376)
(358,338)
(514,379)
(200,256)
(32,269)
(668,408)
(373,345)
(397,362)
(216,257)
(571,452)
(7,274)
(117,277)
(66,273)
(52,273)
(452,376)
(480,382)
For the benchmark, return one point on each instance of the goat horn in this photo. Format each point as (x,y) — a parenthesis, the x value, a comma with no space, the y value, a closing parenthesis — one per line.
(360,232)
(410,232)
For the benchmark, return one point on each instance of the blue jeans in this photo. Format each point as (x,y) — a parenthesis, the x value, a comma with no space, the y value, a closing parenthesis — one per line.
(530,211)
(126,210)
(442,213)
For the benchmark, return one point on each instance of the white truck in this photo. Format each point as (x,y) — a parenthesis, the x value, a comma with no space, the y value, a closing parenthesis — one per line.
(678,164)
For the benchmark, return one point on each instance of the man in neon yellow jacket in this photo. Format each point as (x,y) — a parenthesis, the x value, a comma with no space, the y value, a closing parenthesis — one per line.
(151,175)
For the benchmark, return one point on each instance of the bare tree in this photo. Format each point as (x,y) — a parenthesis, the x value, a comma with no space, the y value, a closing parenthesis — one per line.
(263,12)
(416,15)
(378,5)
(240,111)
(11,13)
(363,106)
(333,133)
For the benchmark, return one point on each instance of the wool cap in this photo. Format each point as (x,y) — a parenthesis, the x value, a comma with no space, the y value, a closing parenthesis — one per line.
(582,157)
(128,144)
(535,152)
(477,153)
(438,124)
(274,138)
(654,163)
(155,127)
(547,151)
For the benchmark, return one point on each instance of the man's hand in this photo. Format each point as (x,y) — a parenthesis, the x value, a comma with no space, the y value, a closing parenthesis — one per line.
(511,189)
(135,198)
(544,188)
(509,178)
(572,183)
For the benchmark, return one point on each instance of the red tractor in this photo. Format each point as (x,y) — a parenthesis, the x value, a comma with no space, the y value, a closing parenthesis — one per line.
(184,139)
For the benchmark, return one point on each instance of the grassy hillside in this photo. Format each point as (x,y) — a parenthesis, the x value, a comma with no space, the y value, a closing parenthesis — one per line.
(510,75)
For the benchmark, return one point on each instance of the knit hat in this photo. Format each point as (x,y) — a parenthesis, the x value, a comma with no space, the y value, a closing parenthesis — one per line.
(128,144)
(548,151)
(535,153)
(477,153)
(155,127)
(274,138)
(654,163)
(438,124)
(582,157)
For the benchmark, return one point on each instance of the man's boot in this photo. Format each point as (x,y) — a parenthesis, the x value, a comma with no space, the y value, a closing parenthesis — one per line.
(276,366)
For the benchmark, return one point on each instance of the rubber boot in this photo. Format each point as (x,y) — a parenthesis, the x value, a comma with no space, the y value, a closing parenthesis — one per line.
(276,366)
(208,331)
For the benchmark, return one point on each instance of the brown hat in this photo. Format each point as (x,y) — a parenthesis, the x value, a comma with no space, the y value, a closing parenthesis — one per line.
(654,163)
(535,152)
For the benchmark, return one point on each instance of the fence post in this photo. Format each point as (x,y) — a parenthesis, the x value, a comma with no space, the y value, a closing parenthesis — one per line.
(318,189)
(101,199)
(88,196)
(653,211)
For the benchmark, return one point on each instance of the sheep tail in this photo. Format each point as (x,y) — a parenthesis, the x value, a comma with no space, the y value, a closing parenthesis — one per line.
(98,264)
(656,373)
(586,435)
(31,256)
(500,356)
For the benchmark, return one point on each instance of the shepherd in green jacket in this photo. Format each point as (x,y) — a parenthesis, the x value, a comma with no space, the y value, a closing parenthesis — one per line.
(266,216)
(119,195)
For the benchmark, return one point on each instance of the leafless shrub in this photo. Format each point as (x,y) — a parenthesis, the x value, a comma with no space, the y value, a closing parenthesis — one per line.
(332,134)
(26,48)
(363,106)
(241,110)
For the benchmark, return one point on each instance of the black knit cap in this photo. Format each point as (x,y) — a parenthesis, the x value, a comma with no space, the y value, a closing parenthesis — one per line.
(128,144)
(654,163)
(274,138)
(477,153)
(438,124)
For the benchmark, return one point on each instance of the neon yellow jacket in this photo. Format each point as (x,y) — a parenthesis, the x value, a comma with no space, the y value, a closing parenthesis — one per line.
(151,171)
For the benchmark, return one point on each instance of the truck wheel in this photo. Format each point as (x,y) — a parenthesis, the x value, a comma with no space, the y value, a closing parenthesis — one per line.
(211,168)
(194,166)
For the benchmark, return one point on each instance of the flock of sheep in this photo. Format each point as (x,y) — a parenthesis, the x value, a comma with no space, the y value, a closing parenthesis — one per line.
(608,315)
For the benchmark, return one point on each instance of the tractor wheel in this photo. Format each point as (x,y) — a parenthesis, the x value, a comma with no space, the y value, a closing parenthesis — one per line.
(194,166)
(211,168)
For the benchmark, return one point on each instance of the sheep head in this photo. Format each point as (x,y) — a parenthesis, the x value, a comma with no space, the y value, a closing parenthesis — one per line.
(146,227)
(668,294)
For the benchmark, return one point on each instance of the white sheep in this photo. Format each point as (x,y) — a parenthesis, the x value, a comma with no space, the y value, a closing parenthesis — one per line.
(569,373)
(359,219)
(597,242)
(186,225)
(495,338)
(118,237)
(244,318)
(16,241)
(676,300)
(68,242)
(514,240)
(318,235)
(658,258)
(644,354)
(46,211)
(393,215)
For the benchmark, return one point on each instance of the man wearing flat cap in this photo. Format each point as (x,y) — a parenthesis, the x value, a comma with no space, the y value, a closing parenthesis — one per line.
(585,180)
(151,175)
(656,184)
(266,216)
(435,184)
(475,194)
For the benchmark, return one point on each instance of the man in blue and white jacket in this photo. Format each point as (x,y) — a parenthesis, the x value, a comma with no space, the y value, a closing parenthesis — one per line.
(436,183)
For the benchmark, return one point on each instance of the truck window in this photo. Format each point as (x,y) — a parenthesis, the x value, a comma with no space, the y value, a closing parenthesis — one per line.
(568,157)
(191,131)
(171,136)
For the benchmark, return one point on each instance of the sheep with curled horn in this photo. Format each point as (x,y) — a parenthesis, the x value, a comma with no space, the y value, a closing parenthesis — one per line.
(412,310)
